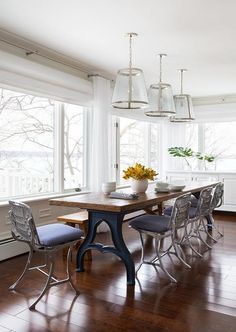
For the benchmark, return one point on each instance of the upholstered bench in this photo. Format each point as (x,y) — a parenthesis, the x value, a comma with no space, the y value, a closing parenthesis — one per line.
(78,218)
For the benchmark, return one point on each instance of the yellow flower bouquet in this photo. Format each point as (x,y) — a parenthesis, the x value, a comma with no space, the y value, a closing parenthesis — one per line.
(139,172)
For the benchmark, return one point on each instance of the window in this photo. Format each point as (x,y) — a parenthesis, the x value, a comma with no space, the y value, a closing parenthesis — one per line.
(192,136)
(74,149)
(217,139)
(137,142)
(29,150)
(220,141)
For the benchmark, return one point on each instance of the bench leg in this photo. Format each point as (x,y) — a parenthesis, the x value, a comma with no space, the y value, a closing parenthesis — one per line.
(88,254)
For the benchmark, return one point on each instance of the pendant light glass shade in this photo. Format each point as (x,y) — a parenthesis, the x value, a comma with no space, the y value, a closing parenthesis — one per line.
(183,105)
(130,89)
(160,97)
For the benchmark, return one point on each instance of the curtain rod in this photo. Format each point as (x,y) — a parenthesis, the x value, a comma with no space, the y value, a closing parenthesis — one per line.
(29,52)
(98,75)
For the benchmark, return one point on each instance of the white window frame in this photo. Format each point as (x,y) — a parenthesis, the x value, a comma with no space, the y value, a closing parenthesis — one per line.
(58,156)
(115,164)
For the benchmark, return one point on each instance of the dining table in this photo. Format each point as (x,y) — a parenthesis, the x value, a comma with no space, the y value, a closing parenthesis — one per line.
(102,208)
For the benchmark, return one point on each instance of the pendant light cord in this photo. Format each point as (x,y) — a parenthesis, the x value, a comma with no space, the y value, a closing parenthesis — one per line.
(181,84)
(160,68)
(130,69)
(130,52)
(161,55)
(182,80)
(159,103)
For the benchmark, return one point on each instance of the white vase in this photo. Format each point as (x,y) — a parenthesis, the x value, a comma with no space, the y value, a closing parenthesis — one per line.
(139,186)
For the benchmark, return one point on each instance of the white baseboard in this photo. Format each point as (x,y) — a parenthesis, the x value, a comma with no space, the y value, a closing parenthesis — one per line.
(12,248)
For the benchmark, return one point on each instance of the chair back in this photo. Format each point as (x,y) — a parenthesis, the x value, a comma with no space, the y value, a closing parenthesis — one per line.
(22,222)
(180,212)
(217,198)
(204,202)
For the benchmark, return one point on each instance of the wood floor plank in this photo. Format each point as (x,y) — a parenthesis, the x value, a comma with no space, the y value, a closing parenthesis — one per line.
(204,299)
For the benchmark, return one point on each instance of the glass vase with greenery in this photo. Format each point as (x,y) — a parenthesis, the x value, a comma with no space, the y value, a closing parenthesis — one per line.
(186,153)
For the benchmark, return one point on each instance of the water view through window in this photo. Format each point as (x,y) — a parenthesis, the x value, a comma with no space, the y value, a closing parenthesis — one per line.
(29,154)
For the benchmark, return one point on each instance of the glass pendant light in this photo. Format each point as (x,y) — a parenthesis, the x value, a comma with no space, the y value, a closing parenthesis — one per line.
(183,105)
(130,89)
(160,97)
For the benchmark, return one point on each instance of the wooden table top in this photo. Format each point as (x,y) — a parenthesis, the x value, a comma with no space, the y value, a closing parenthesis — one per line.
(101,202)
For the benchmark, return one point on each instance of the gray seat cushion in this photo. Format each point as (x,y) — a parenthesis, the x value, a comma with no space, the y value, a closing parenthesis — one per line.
(168,211)
(55,234)
(157,224)
(192,212)
(194,202)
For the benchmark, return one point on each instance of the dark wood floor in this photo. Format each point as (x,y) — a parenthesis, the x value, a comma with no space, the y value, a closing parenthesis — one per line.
(203,300)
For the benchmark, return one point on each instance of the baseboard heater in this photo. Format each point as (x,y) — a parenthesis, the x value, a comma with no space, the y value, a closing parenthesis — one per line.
(10,248)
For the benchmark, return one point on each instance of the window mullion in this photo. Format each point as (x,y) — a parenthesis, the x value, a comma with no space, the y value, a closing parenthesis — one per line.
(148,144)
(201,138)
(86,142)
(117,150)
(59,149)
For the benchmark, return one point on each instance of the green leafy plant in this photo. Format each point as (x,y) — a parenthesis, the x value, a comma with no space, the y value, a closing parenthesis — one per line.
(206,157)
(179,151)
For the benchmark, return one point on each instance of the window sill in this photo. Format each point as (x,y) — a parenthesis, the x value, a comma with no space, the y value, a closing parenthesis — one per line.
(43,197)
(50,196)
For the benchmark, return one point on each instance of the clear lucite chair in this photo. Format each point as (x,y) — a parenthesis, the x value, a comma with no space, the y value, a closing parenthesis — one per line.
(48,240)
(161,227)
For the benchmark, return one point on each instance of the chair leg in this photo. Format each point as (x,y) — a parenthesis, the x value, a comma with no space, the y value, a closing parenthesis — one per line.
(214,225)
(142,253)
(207,232)
(158,258)
(47,285)
(160,264)
(200,235)
(68,269)
(190,233)
(193,249)
(180,255)
(12,287)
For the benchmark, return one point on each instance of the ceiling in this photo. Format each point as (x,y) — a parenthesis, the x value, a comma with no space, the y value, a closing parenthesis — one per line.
(196,34)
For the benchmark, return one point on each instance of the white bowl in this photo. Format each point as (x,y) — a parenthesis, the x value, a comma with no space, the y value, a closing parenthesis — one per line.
(177,187)
(162,184)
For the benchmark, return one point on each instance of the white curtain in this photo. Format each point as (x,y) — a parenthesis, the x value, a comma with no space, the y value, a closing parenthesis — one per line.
(99,170)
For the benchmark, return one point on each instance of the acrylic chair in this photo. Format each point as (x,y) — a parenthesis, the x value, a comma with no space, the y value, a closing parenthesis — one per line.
(161,227)
(48,240)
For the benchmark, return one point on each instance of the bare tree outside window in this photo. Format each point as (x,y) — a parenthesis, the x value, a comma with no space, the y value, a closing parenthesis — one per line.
(27,144)
(74,147)
(220,141)
(138,143)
